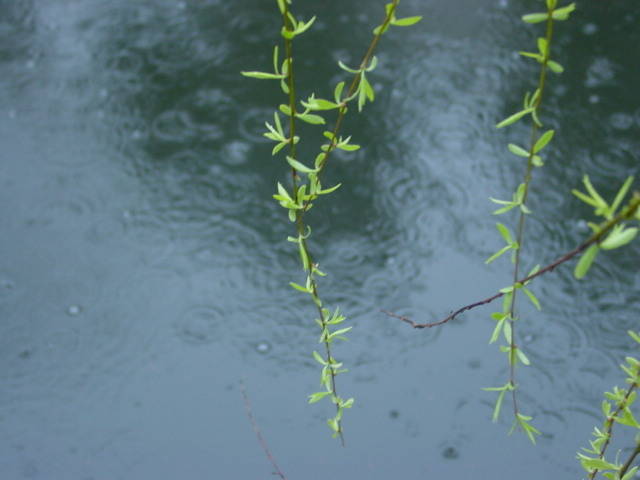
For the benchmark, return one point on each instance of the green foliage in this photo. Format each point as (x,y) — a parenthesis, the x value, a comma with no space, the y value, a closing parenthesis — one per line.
(618,233)
(614,231)
(616,409)
(506,319)
(306,185)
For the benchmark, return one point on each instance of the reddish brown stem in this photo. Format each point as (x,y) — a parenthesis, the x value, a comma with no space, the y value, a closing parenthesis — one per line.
(626,213)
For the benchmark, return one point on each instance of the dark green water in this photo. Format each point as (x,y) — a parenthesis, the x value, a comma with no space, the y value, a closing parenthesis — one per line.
(143,264)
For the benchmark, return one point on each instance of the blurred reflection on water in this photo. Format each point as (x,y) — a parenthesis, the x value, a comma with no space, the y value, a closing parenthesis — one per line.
(144,264)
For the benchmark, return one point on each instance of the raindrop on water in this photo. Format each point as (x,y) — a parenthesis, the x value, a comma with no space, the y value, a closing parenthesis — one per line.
(74,310)
(263,347)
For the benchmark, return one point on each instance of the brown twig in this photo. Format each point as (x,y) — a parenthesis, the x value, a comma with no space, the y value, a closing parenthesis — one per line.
(256,429)
(625,214)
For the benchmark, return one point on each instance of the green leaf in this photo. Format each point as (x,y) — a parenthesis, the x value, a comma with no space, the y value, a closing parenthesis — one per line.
(514,118)
(532,297)
(285,109)
(319,358)
(299,287)
(585,198)
(555,66)
(406,21)
(322,104)
(347,403)
(522,357)
(535,17)
(516,150)
(300,167)
(529,429)
(543,47)
(595,463)
(619,237)
(621,194)
(594,194)
(347,69)
(500,252)
(537,161)
(544,139)
(585,261)
(498,329)
(263,75)
(563,13)
(504,232)
(278,147)
(535,56)
(337,93)
(498,406)
(329,190)
(339,332)
(348,147)
(311,118)
(316,397)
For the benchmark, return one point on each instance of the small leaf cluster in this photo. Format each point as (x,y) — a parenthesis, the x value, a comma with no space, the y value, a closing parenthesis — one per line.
(330,367)
(616,409)
(517,200)
(619,235)
(392,20)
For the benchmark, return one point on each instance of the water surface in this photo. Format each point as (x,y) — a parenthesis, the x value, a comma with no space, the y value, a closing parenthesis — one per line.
(144,264)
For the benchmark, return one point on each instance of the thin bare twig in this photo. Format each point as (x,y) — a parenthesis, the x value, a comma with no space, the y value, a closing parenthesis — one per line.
(625,214)
(256,429)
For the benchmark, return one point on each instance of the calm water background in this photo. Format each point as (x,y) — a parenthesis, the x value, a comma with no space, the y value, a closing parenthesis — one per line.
(143,264)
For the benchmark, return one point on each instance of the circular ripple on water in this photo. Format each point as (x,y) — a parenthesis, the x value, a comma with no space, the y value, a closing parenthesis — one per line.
(173,126)
(286,325)
(200,325)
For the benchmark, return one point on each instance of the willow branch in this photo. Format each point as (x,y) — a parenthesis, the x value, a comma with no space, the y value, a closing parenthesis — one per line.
(609,430)
(625,214)
(342,111)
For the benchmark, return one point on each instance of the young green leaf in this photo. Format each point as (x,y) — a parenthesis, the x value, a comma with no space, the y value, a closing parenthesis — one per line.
(316,397)
(500,252)
(535,17)
(618,237)
(514,118)
(542,142)
(337,93)
(555,66)
(406,21)
(300,167)
(263,75)
(516,150)
(563,13)
(585,261)
(498,406)
(311,118)
(621,194)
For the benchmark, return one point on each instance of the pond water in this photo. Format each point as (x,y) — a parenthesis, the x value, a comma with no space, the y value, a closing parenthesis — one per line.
(144,265)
